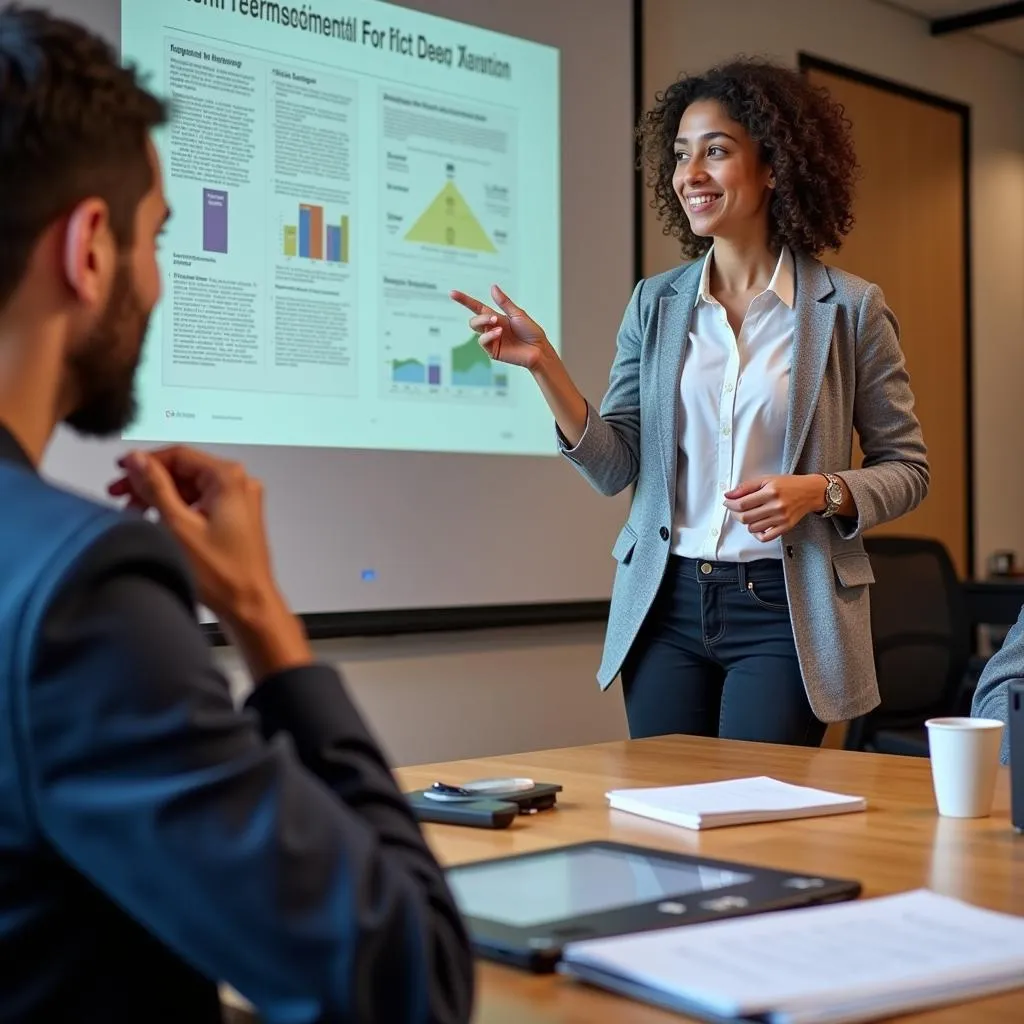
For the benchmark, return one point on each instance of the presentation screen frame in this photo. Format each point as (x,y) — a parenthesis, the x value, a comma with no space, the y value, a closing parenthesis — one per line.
(395,622)
(83,466)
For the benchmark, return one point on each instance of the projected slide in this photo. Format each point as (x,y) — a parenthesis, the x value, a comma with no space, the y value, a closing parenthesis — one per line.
(332,177)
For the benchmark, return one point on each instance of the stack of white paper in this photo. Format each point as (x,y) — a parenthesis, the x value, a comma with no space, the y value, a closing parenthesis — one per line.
(822,965)
(732,802)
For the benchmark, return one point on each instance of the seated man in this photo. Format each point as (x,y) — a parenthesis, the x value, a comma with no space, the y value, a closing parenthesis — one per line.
(154,840)
(992,698)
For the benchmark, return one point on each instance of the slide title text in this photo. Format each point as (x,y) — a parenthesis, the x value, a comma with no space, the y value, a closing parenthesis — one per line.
(364,32)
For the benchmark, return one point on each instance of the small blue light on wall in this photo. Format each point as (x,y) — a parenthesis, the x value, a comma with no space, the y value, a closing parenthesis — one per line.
(369,575)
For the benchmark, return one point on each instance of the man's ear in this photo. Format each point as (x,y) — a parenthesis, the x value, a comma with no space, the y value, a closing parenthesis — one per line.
(88,251)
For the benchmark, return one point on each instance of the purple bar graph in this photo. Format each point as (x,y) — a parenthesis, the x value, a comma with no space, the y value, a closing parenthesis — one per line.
(215,220)
(333,243)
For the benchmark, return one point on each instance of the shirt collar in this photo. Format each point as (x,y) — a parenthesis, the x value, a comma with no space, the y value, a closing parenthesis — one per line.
(12,451)
(783,282)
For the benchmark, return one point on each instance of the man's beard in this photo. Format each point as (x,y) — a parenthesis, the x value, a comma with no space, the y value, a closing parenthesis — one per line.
(104,368)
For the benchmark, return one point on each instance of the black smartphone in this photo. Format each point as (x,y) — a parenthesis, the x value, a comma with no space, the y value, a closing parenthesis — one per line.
(481,813)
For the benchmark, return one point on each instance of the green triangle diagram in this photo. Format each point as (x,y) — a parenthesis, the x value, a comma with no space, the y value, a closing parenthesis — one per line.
(448,220)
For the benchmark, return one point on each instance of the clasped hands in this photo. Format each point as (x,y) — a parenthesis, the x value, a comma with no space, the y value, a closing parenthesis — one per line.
(770,506)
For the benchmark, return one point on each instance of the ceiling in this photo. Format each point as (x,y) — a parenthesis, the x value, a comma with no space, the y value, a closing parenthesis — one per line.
(1008,34)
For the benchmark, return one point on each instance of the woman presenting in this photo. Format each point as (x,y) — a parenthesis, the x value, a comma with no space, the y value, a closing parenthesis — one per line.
(740,604)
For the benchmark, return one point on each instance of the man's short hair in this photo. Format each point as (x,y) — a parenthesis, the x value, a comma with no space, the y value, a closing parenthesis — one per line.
(74,124)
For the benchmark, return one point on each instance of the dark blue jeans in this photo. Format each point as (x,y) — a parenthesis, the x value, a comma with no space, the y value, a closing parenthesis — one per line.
(716,657)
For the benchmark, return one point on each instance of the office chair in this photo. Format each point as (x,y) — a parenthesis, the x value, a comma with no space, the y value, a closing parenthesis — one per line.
(922,642)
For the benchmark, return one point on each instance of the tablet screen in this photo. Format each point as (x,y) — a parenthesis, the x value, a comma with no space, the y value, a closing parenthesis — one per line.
(563,884)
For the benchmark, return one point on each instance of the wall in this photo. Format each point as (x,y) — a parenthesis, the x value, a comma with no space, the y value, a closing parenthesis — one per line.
(884,41)
(443,697)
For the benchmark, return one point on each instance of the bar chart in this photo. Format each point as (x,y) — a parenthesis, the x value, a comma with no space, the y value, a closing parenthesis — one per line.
(313,238)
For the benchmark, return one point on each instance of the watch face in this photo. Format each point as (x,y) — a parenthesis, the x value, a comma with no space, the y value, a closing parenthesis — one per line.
(835,493)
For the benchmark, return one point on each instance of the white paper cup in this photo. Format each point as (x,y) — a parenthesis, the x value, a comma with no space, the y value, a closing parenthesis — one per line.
(965,760)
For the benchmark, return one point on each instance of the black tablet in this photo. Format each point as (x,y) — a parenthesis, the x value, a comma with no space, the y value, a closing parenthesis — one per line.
(523,909)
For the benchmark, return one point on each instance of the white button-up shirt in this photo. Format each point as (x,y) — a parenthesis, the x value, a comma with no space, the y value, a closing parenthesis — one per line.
(732,421)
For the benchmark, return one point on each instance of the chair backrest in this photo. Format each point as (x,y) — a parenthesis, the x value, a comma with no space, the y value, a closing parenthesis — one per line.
(920,629)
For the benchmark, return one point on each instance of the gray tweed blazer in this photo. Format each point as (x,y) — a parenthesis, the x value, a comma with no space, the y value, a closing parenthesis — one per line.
(848,373)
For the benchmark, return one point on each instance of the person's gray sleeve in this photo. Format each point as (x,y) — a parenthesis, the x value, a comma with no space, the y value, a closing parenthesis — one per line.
(608,453)
(894,476)
(991,698)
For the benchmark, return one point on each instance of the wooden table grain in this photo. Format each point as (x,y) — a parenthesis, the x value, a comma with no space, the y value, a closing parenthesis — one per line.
(899,843)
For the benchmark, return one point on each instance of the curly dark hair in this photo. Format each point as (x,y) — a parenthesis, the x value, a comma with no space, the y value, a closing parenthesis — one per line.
(802,133)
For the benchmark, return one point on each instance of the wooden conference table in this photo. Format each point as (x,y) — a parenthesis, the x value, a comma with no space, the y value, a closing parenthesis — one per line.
(899,843)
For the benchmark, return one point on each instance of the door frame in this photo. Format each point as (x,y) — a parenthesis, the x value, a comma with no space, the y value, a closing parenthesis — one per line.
(808,62)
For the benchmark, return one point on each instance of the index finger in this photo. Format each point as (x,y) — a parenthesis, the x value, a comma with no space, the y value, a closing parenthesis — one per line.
(473,305)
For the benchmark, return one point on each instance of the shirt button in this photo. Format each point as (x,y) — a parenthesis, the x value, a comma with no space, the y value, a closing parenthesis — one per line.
(714,531)
(663,533)
(726,431)
(728,389)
